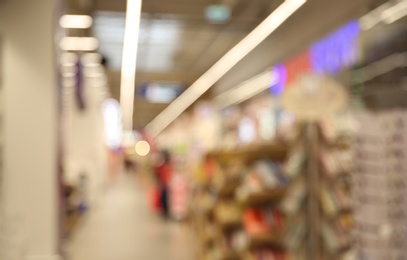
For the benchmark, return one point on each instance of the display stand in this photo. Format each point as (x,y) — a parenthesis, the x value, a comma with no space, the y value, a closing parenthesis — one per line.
(313,184)
(304,214)
(223,216)
(2,239)
(326,201)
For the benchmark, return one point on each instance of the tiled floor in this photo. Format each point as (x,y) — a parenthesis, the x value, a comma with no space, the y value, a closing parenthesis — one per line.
(122,227)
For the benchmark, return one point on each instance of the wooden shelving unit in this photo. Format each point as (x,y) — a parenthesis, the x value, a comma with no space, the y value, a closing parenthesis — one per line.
(246,155)
(266,197)
(307,241)
(272,240)
(1,135)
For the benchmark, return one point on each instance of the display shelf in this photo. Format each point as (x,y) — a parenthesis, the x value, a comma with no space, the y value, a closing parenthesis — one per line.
(208,238)
(271,240)
(230,256)
(228,226)
(249,153)
(228,188)
(266,197)
(227,182)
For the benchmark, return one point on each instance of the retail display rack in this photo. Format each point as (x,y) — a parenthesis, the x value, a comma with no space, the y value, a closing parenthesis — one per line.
(280,200)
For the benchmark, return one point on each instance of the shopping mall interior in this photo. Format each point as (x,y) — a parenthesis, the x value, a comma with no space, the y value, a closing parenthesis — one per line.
(179,129)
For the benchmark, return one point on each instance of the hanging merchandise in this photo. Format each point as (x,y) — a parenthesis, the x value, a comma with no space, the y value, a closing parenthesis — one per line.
(318,203)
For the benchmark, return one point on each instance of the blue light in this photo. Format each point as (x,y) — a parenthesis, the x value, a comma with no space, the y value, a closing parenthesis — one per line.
(336,51)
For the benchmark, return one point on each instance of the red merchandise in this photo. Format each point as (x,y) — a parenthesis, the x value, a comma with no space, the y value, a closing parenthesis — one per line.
(164,174)
(154,199)
(254,222)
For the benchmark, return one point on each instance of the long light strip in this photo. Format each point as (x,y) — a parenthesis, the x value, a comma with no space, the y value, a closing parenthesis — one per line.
(129,62)
(388,12)
(395,13)
(220,68)
(247,89)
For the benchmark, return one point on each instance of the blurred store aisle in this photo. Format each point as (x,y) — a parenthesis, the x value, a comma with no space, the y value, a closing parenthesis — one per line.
(123,228)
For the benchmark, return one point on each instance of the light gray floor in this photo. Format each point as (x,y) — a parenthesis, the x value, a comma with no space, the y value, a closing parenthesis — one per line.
(122,227)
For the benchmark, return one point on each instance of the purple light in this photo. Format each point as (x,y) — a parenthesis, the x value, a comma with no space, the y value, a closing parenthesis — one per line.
(278,80)
(336,51)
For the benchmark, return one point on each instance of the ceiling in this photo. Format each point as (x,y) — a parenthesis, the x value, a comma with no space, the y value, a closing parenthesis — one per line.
(178,44)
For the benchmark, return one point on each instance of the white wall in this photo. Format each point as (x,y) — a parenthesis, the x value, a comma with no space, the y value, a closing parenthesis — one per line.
(85,150)
(30,121)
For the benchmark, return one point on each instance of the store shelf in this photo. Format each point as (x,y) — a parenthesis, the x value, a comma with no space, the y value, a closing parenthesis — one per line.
(228,189)
(227,226)
(276,151)
(270,196)
(272,240)
(230,256)
(208,239)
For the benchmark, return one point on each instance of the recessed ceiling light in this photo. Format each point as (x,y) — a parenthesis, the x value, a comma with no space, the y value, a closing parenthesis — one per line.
(75,21)
(79,44)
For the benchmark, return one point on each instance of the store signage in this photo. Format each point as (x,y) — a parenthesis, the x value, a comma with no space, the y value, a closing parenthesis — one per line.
(329,55)
(278,79)
(336,51)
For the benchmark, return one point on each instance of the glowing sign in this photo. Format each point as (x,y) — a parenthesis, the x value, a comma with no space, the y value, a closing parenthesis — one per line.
(298,65)
(336,51)
(278,80)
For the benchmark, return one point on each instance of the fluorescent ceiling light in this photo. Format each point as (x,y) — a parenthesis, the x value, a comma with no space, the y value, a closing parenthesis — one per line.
(69,59)
(394,13)
(372,18)
(91,58)
(129,62)
(79,44)
(247,89)
(388,12)
(76,21)
(220,68)
(68,82)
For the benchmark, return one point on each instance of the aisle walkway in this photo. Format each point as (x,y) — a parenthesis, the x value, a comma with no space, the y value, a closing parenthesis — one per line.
(123,228)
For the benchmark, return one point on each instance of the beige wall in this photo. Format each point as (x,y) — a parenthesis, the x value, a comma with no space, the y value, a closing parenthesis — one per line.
(30,121)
